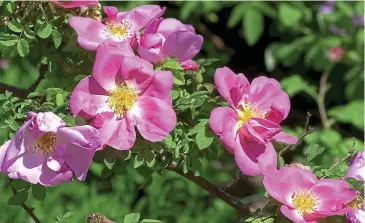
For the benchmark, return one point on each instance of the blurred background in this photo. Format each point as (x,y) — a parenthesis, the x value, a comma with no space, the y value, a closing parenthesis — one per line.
(315,50)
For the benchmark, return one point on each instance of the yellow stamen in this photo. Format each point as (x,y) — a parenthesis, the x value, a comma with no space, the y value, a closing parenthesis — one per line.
(304,201)
(357,203)
(121,30)
(122,99)
(46,143)
(248,111)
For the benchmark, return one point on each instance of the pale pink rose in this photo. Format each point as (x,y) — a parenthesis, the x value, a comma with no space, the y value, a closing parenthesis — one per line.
(190,65)
(304,198)
(123,92)
(247,128)
(169,37)
(357,167)
(75,4)
(118,27)
(44,151)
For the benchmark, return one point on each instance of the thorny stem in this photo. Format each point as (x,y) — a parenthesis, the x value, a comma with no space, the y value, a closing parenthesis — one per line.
(306,131)
(25,207)
(22,93)
(349,154)
(241,208)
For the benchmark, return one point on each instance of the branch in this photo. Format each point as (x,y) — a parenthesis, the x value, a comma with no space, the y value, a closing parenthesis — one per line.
(349,154)
(242,209)
(320,100)
(306,131)
(25,207)
(21,92)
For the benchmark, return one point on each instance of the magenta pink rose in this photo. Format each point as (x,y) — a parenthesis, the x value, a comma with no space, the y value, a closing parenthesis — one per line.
(44,151)
(356,216)
(253,121)
(304,198)
(118,27)
(75,4)
(169,37)
(123,92)
(190,65)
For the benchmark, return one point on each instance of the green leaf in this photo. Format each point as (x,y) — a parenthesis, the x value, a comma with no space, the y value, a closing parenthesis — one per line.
(19,184)
(106,172)
(356,184)
(202,123)
(236,15)
(179,78)
(314,150)
(269,56)
(39,192)
(204,138)
(139,160)
(59,99)
(29,33)
(57,38)
(172,64)
(345,7)
(188,8)
(265,8)
(253,24)
(289,15)
(19,198)
(294,84)
(150,221)
(8,39)
(150,158)
(132,218)
(15,26)
(22,47)
(281,161)
(360,38)
(68,215)
(44,31)
(352,113)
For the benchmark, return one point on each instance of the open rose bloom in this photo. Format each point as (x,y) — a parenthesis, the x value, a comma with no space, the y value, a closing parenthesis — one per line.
(169,37)
(118,27)
(304,198)
(123,92)
(253,120)
(44,151)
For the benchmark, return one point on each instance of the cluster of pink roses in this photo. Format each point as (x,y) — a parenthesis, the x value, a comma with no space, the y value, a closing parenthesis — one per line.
(125,92)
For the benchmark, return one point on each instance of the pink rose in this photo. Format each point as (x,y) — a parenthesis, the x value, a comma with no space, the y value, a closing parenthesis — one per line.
(118,27)
(357,167)
(253,121)
(169,37)
(304,198)
(44,151)
(123,92)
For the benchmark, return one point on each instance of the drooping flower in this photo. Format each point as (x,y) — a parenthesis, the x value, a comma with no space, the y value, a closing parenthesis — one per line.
(169,37)
(118,27)
(336,54)
(304,198)
(44,151)
(247,128)
(123,92)
(75,4)
(357,167)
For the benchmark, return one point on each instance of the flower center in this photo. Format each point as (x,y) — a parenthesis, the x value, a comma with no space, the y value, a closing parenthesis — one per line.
(248,111)
(356,203)
(119,30)
(122,99)
(46,143)
(304,201)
